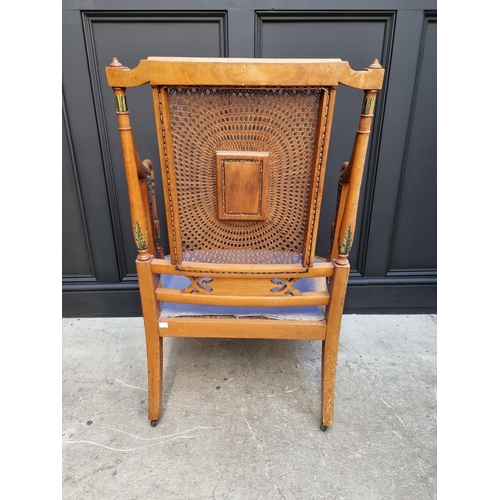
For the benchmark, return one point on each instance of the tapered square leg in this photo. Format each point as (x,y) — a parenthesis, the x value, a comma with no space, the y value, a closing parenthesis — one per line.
(154,343)
(335,309)
(154,346)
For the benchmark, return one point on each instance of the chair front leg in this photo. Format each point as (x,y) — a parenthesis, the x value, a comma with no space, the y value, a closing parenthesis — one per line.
(154,347)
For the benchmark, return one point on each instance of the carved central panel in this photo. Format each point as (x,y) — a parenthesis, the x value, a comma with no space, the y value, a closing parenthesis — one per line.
(242,184)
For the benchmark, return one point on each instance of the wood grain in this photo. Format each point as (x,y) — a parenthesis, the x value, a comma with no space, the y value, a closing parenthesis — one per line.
(242,185)
(148,282)
(244,73)
(305,299)
(242,328)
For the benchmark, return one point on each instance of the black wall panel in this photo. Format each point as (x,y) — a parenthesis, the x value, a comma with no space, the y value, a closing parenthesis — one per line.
(415,230)
(76,257)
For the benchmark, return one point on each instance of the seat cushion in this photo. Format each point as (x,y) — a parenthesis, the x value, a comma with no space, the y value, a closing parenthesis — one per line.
(304,313)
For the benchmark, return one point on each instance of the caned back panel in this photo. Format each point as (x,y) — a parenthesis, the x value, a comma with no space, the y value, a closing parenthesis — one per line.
(196,122)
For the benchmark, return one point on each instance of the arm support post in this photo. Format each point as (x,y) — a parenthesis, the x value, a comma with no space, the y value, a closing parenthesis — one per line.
(133,171)
(352,175)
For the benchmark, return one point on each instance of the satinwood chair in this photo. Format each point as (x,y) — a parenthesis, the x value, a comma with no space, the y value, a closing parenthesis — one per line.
(243,145)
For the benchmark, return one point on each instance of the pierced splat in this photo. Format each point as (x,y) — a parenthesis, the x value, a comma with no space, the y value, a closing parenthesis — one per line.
(285,286)
(198,285)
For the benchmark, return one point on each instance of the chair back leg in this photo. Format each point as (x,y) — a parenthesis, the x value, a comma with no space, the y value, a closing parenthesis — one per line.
(148,283)
(338,287)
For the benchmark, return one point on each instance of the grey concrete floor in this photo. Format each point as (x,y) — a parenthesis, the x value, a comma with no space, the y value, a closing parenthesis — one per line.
(241,417)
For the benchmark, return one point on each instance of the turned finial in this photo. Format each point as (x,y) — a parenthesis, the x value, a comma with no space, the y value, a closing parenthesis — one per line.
(375,65)
(115,63)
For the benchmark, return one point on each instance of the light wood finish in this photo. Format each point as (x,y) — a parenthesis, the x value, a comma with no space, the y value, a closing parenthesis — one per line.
(133,171)
(166,152)
(242,328)
(242,184)
(154,342)
(323,131)
(221,285)
(337,289)
(244,73)
(321,269)
(248,268)
(305,299)
(354,174)
(243,147)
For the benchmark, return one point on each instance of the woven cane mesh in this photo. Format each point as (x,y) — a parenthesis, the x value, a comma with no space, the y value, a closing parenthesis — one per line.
(279,121)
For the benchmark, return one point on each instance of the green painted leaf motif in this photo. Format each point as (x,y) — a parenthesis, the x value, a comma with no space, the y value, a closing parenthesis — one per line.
(121,103)
(140,242)
(367,106)
(345,248)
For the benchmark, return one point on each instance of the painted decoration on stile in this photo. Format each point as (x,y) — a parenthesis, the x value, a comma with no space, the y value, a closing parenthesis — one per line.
(367,106)
(121,103)
(140,242)
(346,245)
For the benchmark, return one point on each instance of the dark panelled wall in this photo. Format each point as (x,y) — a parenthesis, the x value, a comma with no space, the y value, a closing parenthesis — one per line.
(394,256)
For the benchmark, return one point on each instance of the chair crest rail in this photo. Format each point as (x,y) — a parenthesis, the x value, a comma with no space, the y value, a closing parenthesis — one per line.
(245,72)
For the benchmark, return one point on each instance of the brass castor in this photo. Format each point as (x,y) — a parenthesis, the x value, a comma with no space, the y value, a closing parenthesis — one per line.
(323,427)
(154,423)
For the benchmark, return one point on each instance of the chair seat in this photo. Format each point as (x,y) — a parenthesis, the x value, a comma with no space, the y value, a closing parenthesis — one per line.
(304,313)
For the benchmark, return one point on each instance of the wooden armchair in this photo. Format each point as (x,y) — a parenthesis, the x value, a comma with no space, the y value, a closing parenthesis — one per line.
(243,145)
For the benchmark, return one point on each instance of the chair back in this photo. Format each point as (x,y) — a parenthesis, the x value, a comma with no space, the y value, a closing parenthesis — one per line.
(243,147)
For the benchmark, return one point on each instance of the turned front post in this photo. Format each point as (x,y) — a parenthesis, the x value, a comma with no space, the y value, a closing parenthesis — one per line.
(353,175)
(140,225)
